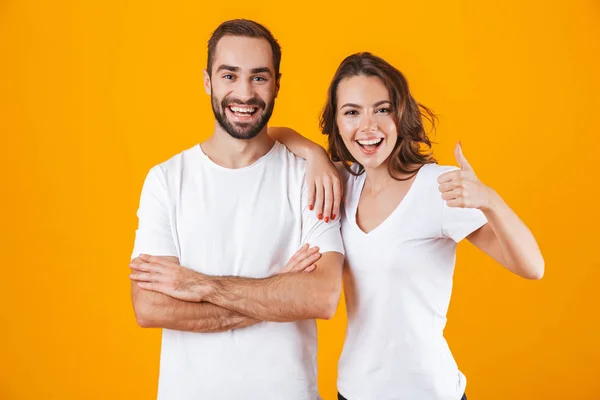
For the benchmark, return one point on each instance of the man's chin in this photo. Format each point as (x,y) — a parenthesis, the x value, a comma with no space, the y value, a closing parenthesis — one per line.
(243,130)
(244,134)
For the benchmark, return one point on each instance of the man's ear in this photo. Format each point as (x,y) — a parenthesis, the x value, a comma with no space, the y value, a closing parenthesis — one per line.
(207,85)
(277,85)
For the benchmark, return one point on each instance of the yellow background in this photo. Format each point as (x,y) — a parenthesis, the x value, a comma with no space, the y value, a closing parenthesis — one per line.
(94,93)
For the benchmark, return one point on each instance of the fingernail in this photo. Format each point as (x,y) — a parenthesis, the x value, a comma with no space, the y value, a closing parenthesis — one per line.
(310,207)
(333,217)
(320,216)
(326,219)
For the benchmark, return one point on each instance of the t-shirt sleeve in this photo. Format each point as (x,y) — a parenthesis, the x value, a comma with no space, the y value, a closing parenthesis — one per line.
(154,235)
(315,232)
(458,222)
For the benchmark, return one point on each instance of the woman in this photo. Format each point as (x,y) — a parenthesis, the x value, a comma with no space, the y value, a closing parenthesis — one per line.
(402,216)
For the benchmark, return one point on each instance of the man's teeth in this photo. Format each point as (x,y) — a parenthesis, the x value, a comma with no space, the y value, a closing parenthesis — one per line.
(369,142)
(243,110)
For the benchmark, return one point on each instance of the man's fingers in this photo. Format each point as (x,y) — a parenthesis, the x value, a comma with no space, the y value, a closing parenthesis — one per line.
(313,258)
(159,260)
(147,267)
(145,257)
(142,277)
(153,286)
(302,249)
(146,285)
(311,268)
(154,259)
(307,262)
(143,267)
(298,262)
(303,255)
(298,254)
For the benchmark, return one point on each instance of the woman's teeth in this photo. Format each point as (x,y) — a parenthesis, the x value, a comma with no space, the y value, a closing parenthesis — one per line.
(370,142)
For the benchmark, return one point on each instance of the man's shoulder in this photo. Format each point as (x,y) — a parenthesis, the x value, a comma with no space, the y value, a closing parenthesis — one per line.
(175,163)
(287,166)
(286,157)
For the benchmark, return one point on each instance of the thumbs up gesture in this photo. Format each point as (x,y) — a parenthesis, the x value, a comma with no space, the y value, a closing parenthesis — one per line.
(462,188)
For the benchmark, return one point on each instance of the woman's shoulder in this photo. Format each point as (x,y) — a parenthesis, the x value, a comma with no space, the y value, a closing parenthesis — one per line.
(434,170)
(427,179)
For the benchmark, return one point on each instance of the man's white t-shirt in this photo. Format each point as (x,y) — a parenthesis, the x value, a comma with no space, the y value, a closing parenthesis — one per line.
(402,277)
(237,222)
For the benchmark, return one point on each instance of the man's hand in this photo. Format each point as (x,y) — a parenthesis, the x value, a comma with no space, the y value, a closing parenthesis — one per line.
(303,261)
(161,275)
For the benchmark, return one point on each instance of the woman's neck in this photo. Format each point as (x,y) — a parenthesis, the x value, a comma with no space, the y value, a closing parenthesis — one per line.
(379,178)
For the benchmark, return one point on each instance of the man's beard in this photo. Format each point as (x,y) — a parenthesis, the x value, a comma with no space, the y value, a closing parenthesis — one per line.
(243,130)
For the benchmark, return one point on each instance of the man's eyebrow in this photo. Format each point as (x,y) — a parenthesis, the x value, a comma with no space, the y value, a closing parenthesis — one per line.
(260,70)
(228,68)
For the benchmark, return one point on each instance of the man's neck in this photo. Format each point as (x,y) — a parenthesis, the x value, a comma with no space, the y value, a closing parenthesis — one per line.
(229,152)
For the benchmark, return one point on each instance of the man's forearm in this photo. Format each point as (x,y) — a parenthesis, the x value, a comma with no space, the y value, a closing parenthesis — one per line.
(285,297)
(156,310)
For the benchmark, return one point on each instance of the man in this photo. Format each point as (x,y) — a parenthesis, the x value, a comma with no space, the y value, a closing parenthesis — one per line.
(217,225)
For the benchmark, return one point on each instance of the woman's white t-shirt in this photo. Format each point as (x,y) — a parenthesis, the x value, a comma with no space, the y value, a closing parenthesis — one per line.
(401,274)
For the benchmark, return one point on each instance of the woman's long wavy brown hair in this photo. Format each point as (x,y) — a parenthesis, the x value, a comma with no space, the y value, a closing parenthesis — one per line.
(413,147)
